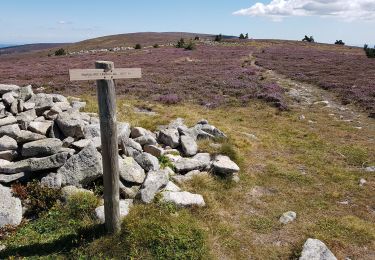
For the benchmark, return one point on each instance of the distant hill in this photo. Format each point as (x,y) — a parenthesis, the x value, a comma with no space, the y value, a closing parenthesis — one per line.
(28,47)
(131,39)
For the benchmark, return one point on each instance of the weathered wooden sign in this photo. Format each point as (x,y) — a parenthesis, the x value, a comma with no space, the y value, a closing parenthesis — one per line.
(105,73)
(96,74)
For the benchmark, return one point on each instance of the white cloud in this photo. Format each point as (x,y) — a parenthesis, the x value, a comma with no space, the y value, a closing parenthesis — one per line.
(343,9)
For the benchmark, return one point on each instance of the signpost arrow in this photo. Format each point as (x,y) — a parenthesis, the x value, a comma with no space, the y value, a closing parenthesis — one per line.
(105,73)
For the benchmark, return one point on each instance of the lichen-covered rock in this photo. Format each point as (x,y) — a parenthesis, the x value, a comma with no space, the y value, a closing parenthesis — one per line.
(314,249)
(148,162)
(8,178)
(287,217)
(10,207)
(82,168)
(154,150)
(71,124)
(52,180)
(183,198)
(8,143)
(42,147)
(188,145)
(169,137)
(8,120)
(4,88)
(146,140)
(40,127)
(184,165)
(154,182)
(131,171)
(223,165)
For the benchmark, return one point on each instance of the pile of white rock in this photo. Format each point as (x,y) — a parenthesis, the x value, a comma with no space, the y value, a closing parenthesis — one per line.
(46,137)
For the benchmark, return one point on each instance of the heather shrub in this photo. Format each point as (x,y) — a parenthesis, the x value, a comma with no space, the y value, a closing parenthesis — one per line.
(156,46)
(339,42)
(308,39)
(138,46)
(196,38)
(370,52)
(82,204)
(169,99)
(180,43)
(190,46)
(218,38)
(60,52)
(36,197)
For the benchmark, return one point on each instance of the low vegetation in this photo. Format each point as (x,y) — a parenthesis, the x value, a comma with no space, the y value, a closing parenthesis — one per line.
(308,39)
(370,52)
(138,46)
(60,52)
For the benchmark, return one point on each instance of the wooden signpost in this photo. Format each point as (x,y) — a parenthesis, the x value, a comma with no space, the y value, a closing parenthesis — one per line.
(105,73)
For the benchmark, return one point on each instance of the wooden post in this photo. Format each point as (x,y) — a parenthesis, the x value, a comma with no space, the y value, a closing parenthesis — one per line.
(108,129)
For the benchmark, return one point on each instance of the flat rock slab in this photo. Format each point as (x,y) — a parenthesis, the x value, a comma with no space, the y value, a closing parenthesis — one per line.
(314,249)
(223,165)
(25,136)
(155,181)
(184,165)
(9,120)
(83,167)
(40,127)
(10,208)
(4,88)
(71,124)
(42,147)
(35,164)
(8,178)
(183,198)
(125,206)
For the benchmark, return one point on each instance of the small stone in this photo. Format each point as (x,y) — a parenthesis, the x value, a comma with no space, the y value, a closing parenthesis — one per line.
(362,182)
(287,217)
(58,98)
(67,142)
(129,192)
(8,143)
(301,117)
(202,122)
(370,169)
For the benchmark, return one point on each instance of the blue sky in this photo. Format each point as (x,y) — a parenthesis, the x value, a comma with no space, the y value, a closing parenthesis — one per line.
(30,21)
